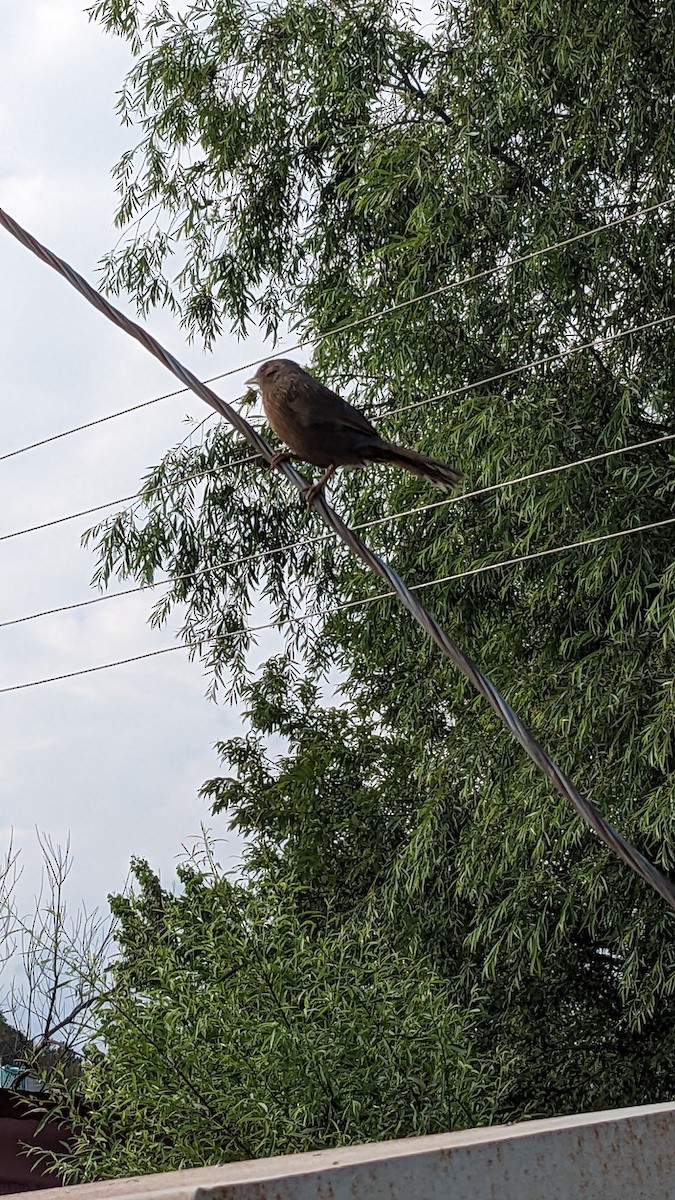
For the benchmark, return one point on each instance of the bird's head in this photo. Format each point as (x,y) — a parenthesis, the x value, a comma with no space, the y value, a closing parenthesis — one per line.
(274,371)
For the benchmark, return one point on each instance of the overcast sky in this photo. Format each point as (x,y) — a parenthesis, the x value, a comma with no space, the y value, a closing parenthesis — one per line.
(115,758)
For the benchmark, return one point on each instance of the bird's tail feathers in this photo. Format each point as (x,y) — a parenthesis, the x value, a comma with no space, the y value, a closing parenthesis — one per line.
(442,475)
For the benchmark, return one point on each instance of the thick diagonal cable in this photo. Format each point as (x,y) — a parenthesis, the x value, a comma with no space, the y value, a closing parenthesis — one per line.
(446,644)
(346,326)
(371,524)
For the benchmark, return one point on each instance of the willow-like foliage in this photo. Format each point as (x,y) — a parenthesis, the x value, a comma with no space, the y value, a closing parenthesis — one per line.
(315,163)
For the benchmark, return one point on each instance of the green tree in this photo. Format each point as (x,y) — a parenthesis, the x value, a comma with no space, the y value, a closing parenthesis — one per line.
(316,163)
(236,1028)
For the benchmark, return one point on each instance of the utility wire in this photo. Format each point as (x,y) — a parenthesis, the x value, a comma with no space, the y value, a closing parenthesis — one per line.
(360,321)
(351,604)
(407,512)
(537,362)
(523,558)
(85,512)
(458,391)
(55,437)
(482,684)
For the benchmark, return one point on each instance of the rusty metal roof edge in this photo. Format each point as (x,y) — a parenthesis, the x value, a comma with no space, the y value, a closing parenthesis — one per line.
(204,1182)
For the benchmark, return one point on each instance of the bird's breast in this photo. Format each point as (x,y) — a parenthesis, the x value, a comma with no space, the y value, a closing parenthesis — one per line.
(295,425)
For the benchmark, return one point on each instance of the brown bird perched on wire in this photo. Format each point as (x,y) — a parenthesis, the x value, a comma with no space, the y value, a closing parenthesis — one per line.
(323,429)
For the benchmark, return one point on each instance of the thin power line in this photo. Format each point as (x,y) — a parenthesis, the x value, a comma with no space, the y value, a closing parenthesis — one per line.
(509,562)
(85,512)
(407,512)
(537,362)
(385,413)
(122,412)
(378,566)
(360,321)
(487,272)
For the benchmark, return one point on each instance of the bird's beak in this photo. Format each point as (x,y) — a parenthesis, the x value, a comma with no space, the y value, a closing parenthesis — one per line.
(253,381)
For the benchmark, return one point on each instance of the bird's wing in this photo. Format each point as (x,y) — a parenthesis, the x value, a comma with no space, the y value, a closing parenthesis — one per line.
(322,405)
